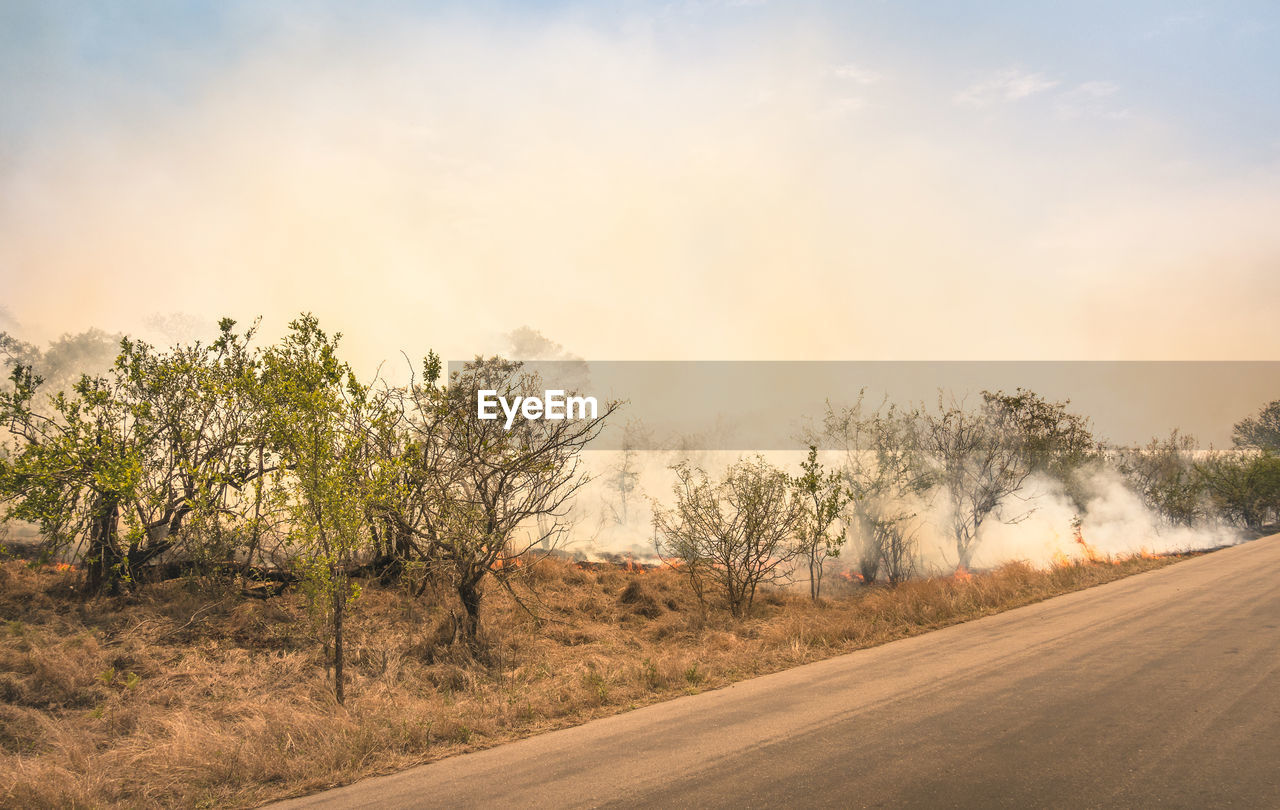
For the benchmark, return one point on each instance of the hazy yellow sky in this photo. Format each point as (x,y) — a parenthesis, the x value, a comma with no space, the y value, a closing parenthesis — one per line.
(699,181)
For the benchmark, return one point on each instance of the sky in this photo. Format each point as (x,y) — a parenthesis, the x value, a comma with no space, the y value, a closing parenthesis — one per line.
(647,181)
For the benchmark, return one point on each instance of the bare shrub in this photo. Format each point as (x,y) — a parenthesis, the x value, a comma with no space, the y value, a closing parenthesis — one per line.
(884,473)
(732,535)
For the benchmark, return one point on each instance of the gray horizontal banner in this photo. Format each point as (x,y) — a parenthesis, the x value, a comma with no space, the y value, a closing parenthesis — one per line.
(760,406)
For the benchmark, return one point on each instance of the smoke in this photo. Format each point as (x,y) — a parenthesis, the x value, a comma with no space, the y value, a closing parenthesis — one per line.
(1038,525)
(1114,522)
(62,362)
(527,343)
(178,327)
(425,183)
(93,351)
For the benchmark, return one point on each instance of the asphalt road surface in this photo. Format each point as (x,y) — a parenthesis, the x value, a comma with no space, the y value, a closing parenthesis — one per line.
(1160,690)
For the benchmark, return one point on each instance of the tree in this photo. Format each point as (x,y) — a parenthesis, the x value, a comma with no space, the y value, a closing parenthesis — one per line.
(978,463)
(73,472)
(197,407)
(1163,474)
(822,497)
(624,476)
(1260,432)
(1052,440)
(477,498)
(734,534)
(64,361)
(316,424)
(113,469)
(396,461)
(1244,487)
(885,475)
(16,351)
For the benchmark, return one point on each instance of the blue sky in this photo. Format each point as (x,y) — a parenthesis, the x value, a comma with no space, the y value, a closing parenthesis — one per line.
(1210,67)
(1117,161)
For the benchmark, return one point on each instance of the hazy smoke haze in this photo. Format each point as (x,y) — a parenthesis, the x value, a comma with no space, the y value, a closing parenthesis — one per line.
(704,181)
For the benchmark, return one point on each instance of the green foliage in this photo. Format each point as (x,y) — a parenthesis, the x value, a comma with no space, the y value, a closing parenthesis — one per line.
(822,496)
(693,675)
(1051,439)
(1244,487)
(650,675)
(1164,475)
(315,412)
(112,469)
(72,471)
(596,684)
(196,407)
(1260,432)
(210,451)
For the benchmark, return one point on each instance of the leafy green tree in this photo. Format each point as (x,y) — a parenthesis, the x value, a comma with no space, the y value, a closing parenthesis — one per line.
(315,422)
(1243,487)
(74,472)
(822,496)
(397,462)
(1052,440)
(1163,474)
(113,470)
(1261,431)
(205,455)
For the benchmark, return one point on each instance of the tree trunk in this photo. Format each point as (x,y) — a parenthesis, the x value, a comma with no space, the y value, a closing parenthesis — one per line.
(257,525)
(104,562)
(339,606)
(403,545)
(399,551)
(469,593)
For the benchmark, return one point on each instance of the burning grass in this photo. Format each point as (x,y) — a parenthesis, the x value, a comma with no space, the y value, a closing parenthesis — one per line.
(179,697)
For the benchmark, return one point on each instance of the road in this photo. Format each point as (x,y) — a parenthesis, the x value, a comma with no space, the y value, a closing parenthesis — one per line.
(1162,689)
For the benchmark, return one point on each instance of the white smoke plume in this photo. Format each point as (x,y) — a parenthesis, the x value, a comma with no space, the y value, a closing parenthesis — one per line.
(1114,523)
(1037,526)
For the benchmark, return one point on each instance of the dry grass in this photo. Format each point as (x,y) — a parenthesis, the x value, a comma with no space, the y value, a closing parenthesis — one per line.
(181,697)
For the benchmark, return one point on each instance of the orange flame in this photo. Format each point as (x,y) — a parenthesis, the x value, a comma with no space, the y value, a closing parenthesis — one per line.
(506,562)
(1090,553)
(962,574)
(632,567)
